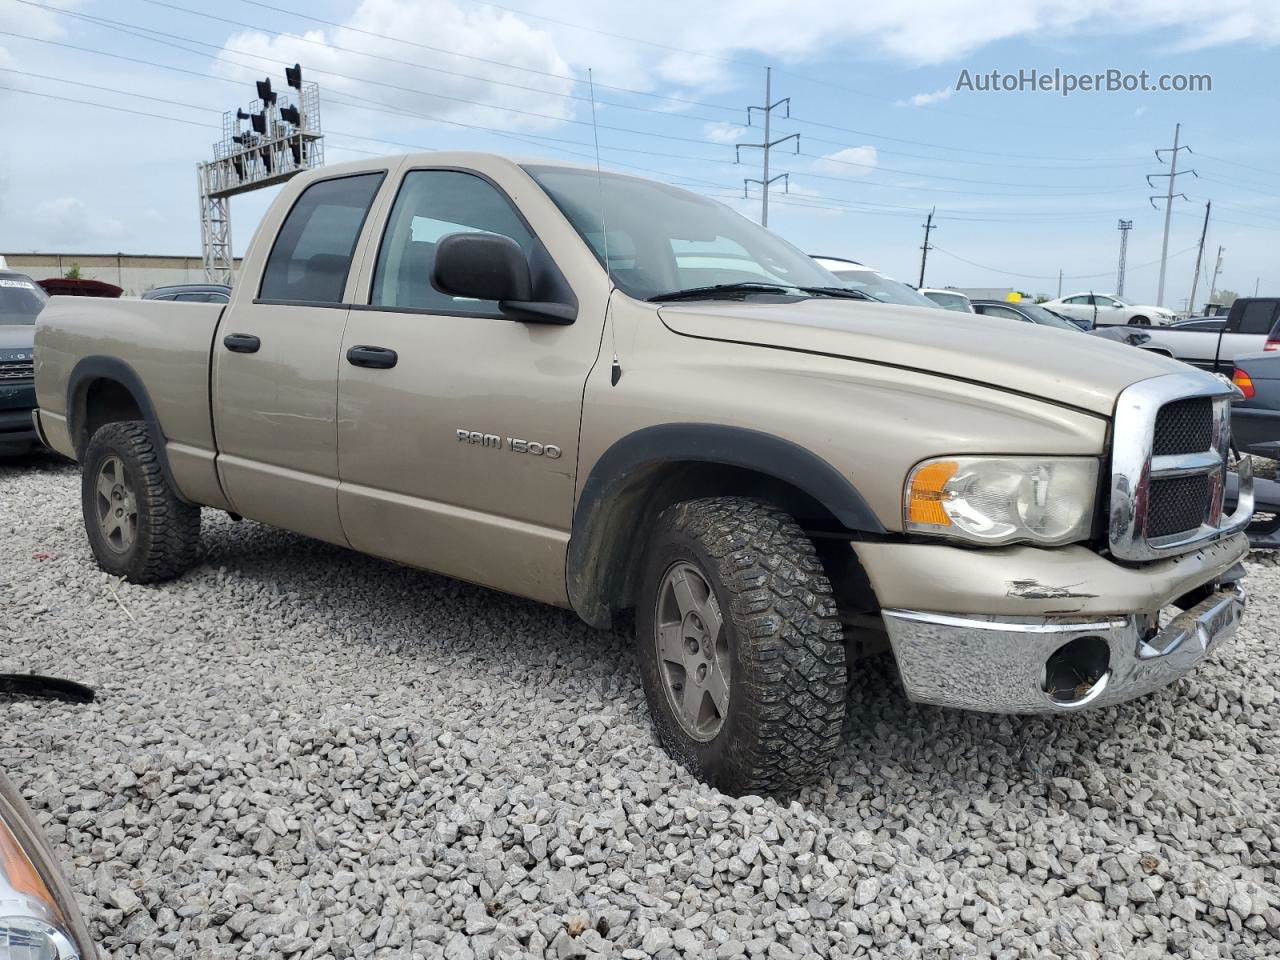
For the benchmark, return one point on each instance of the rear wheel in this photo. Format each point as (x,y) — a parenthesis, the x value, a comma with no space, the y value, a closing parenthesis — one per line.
(137,525)
(740,646)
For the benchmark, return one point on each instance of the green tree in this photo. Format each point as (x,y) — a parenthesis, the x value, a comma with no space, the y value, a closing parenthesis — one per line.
(1227,297)
(73,272)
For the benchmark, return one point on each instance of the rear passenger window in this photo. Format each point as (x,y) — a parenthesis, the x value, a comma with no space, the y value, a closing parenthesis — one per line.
(431,205)
(1257,317)
(312,253)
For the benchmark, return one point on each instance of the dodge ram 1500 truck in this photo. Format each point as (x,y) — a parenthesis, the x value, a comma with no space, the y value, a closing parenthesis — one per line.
(610,394)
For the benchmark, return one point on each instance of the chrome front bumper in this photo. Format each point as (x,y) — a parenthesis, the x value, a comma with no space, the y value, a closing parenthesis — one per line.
(998,665)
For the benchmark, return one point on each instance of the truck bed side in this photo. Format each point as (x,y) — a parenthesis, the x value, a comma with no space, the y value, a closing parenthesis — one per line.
(101,360)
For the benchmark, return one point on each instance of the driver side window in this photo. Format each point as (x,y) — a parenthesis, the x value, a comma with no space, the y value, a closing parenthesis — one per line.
(431,205)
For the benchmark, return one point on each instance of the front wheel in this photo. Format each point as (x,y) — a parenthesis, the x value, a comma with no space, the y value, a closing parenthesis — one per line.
(138,526)
(1139,321)
(740,646)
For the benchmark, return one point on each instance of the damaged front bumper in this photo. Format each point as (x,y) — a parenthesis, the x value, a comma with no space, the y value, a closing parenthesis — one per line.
(1028,630)
(1054,664)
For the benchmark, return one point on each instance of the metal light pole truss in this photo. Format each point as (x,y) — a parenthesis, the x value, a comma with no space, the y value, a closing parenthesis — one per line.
(1124,226)
(284,138)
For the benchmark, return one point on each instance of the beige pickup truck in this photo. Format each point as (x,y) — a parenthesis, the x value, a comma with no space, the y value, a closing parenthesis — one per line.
(609,394)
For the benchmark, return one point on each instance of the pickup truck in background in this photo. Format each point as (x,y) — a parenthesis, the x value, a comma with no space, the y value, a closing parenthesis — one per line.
(1252,326)
(445,360)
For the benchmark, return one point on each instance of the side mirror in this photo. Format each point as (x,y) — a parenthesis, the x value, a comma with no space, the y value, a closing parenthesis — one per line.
(481,266)
(486,266)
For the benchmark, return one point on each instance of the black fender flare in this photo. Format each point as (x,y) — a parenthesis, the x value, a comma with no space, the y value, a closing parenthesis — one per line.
(668,443)
(92,368)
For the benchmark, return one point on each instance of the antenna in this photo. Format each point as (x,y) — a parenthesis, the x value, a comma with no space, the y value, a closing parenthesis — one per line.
(616,371)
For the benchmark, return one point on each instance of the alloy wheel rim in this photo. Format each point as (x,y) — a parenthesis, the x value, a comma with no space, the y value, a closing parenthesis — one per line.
(692,651)
(117,505)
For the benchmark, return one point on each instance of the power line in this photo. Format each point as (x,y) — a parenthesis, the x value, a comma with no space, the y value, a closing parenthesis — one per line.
(938,176)
(381,83)
(1032,276)
(423,46)
(941,146)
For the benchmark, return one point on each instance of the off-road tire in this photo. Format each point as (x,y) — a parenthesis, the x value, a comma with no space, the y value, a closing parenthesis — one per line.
(167,532)
(787,680)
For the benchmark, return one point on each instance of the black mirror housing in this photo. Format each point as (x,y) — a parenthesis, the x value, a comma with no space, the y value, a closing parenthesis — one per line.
(482,266)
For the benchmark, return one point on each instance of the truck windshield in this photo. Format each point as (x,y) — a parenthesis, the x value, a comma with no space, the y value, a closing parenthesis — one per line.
(877,285)
(21,300)
(662,239)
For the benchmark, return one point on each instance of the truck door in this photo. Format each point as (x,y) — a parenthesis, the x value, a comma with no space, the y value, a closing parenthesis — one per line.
(275,363)
(1247,329)
(458,428)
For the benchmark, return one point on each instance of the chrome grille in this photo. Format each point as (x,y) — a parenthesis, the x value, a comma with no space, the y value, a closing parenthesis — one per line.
(1178,505)
(1184,426)
(17,370)
(1169,466)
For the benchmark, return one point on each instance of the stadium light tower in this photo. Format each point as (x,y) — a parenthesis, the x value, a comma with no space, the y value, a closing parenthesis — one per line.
(284,138)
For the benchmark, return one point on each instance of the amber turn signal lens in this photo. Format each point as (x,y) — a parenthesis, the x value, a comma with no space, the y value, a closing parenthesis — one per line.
(1244,382)
(924,499)
(21,873)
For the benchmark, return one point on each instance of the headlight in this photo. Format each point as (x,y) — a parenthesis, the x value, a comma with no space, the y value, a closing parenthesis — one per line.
(34,925)
(994,500)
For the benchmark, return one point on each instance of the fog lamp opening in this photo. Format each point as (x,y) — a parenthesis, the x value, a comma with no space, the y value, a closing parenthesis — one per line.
(1077,672)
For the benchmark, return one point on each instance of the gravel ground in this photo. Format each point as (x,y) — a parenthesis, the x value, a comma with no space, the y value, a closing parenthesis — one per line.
(300,752)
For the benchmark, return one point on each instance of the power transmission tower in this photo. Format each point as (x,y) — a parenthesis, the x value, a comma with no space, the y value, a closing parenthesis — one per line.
(1173,174)
(1217,268)
(1195,281)
(924,248)
(1124,226)
(769,106)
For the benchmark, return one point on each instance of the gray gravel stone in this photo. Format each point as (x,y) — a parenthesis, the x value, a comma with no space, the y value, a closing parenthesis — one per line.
(300,752)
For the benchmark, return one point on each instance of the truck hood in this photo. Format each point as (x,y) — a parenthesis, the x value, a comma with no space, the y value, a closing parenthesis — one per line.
(19,337)
(1057,365)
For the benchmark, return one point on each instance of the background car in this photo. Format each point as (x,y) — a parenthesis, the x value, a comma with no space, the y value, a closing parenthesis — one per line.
(1108,311)
(67,287)
(1255,418)
(191,293)
(21,300)
(1039,314)
(873,283)
(948,299)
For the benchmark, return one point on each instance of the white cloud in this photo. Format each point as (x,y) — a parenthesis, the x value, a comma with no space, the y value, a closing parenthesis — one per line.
(473,30)
(724,132)
(35,21)
(921,32)
(68,220)
(924,99)
(850,162)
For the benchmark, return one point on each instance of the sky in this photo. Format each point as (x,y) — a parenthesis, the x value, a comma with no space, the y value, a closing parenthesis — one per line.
(108,105)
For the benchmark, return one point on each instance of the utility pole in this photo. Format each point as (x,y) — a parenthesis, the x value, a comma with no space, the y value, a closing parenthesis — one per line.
(1059,283)
(1173,174)
(924,249)
(1256,281)
(769,106)
(1213,287)
(1124,227)
(1195,280)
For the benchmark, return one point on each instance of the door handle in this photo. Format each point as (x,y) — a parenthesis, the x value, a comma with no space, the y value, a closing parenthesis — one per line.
(379,358)
(241,343)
